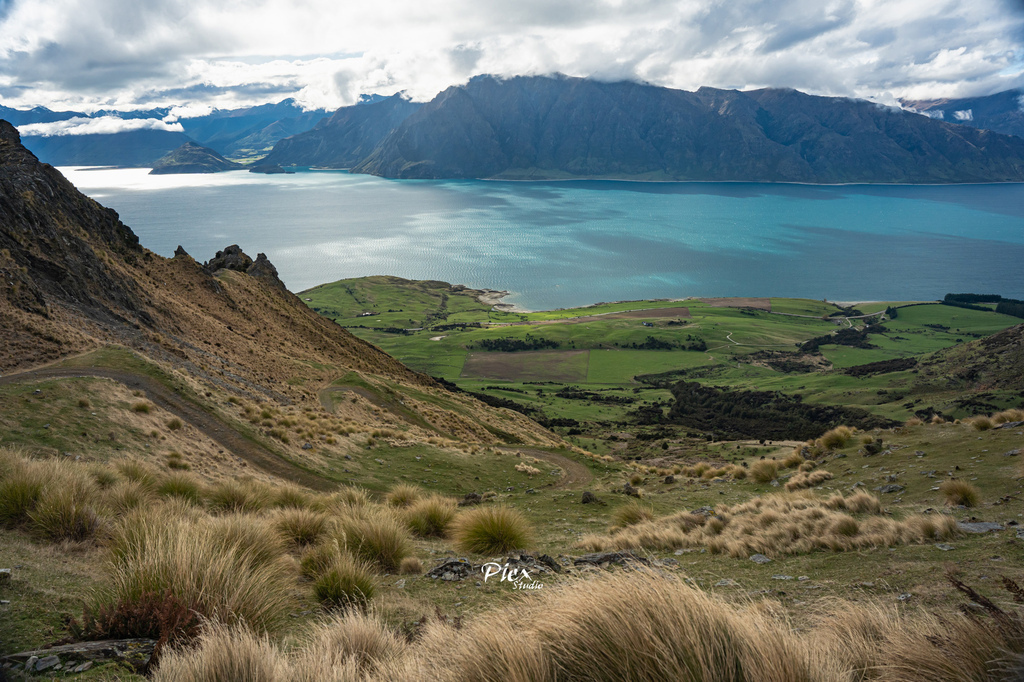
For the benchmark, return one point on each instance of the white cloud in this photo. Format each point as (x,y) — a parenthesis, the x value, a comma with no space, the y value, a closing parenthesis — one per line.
(965,115)
(326,53)
(101,125)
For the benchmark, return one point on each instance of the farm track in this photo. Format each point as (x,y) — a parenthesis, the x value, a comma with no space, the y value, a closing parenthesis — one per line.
(574,474)
(230,438)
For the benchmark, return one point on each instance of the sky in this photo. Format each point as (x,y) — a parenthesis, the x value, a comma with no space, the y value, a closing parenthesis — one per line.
(85,55)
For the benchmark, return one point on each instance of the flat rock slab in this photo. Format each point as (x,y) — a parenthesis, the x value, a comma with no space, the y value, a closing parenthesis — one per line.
(891,488)
(759,559)
(979,527)
(610,558)
(1010,425)
(135,652)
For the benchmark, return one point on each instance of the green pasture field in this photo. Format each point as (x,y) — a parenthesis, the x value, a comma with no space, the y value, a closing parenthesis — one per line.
(625,344)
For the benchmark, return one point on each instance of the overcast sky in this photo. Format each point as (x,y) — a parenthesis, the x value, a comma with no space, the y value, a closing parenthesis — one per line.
(121,53)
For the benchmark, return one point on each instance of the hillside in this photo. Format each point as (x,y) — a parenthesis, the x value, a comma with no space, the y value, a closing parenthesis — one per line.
(134,148)
(543,127)
(345,138)
(193,158)
(1000,112)
(79,282)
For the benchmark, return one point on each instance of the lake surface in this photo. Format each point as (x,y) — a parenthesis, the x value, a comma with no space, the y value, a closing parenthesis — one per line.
(562,244)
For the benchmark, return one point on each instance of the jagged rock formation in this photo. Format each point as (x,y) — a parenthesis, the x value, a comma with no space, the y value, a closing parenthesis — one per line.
(193,158)
(541,127)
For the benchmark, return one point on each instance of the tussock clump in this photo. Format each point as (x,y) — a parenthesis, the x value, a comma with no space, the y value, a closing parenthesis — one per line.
(349,497)
(808,465)
(793,523)
(225,569)
(492,530)
(404,495)
(104,476)
(302,527)
(223,654)
(431,517)
(981,423)
(524,468)
(126,496)
(411,566)
(764,471)
(377,539)
(803,480)
(134,470)
(21,486)
(632,513)
(636,479)
(181,485)
(625,627)
(836,438)
(239,497)
(142,407)
(913,421)
(1005,416)
(957,492)
(346,583)
(65,509)
(357,643)
(793,459)
(317,559)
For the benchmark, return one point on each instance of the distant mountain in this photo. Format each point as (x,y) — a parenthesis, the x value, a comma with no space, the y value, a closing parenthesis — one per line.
(246,132)
(347,137)
(560,127)
(253,130)
(1000,112)
(193,158)
(133,148)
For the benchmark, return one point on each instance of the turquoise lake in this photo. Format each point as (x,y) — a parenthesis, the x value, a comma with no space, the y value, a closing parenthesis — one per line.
(562,244)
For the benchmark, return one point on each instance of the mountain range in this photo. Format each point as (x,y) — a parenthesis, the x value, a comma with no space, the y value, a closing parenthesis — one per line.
(238,133)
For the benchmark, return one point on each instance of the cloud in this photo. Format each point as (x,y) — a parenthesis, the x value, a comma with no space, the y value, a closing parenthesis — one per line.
(108,53)
(101,125)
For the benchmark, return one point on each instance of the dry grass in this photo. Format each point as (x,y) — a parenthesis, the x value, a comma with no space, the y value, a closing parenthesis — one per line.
(779,524)
(404,495)
(492,530)
(431,517)
(411,566)
(1015,415)
(981,423)
(224,654)
(376,538)
(239,496)
(302,527)
(632,513)
(346,583)
(764,471)
(836,438)
(793,460)
(957,492)
(804,479)
(181,485)
(525,468)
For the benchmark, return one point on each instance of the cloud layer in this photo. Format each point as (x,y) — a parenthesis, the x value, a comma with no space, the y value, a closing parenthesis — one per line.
(100,125)
(105,53)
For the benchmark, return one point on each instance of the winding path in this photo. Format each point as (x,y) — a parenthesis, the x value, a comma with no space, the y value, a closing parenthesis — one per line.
(574,474)
(232,440)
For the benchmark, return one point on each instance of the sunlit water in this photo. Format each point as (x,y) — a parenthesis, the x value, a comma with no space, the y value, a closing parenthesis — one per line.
(561,244)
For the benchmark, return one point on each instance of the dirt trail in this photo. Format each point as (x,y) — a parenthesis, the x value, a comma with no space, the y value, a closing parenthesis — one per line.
(223,434)
(574,474)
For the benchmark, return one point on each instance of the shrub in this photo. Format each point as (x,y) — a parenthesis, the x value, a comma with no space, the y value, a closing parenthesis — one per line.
(958,492)
(239,497)
(174,424)
(142,407)
(404,495)
(181,485)
(764,471)
(345,583)
(631,513)
(411,566)
(636,479)
(431,517)
(492,530)
(376,539)
(174,461)
(302,527)
(83,403)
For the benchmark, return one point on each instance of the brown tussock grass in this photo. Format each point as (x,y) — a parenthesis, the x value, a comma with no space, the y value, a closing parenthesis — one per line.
(957,492)
(804,479)
(764,471)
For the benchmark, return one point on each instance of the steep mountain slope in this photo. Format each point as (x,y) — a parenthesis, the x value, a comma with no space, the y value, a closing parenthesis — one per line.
(541,127)
(345,138)
(1000,112)
(76,279)
(193,158)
